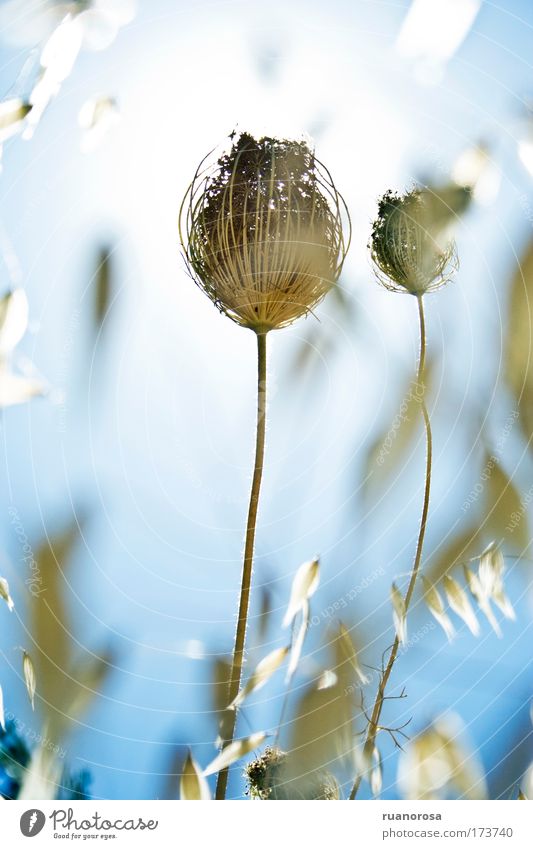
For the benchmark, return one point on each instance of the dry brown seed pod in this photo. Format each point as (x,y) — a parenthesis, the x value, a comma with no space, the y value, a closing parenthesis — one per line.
(262,231)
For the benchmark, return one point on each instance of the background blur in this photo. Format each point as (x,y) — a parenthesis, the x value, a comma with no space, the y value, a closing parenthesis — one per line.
(142,447)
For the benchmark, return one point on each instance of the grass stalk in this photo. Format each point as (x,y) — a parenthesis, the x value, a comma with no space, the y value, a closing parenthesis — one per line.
(373,725)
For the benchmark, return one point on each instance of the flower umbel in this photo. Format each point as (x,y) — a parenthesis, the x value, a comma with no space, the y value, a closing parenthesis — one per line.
(411,249)
(262,231)
(268,779)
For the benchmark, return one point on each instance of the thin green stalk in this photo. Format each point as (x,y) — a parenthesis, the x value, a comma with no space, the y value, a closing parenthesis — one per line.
(373,725)
(242,621)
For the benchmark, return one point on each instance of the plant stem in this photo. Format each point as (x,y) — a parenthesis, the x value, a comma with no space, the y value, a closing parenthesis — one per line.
(240,636)
(373,725)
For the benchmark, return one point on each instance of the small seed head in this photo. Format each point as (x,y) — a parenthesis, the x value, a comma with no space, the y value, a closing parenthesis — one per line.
(411,249)
(269,779)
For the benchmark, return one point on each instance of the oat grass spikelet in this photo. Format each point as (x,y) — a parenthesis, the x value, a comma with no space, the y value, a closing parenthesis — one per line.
(410,249)
(262,232)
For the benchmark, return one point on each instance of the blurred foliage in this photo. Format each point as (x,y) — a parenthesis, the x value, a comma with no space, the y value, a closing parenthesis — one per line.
(458,549)
(505,516)
(518,361)
(391,449)
(103,279)
(439,763)
(67,679)
(15,758)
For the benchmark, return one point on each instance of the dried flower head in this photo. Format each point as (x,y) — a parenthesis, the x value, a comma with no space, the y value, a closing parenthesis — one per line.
(411,248)
(268,779)
(262,231)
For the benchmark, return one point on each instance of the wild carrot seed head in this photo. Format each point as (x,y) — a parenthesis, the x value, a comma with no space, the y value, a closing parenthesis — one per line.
(410,249)
(267,779)
(262,231)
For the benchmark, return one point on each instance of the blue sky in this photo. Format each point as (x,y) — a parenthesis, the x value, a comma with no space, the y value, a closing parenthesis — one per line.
(148,427)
